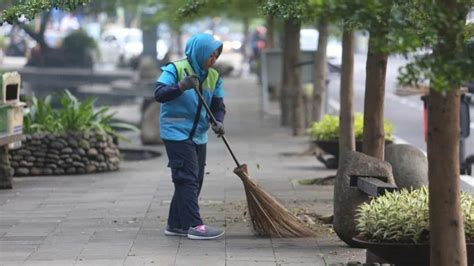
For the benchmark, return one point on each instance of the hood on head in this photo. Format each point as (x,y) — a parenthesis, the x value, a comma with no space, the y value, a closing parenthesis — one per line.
(198,50)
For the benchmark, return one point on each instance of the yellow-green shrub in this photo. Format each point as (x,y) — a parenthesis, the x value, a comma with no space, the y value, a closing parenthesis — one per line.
(328,128)
(402,216)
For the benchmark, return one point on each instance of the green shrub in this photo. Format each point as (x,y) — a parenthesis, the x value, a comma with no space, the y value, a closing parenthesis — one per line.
(73,116)
(328,128)
(79,47)
(402,216)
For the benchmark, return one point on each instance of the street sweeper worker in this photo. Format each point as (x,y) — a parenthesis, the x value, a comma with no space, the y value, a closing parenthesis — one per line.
(183,129)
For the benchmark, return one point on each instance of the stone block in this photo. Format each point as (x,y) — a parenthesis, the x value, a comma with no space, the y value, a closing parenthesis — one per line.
(347,198)
(409,165)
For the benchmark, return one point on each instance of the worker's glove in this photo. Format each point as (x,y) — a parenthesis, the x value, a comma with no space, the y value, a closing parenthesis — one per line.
(218,128)
(188,82)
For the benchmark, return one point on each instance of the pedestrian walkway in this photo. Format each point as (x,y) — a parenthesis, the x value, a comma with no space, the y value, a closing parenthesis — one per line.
(118,218)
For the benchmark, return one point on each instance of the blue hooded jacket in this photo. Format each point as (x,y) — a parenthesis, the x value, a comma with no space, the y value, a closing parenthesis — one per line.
(178,109)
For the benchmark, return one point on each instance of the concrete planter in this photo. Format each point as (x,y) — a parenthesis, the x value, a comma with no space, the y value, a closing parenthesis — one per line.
(65,154)
(405,253)
(331,147)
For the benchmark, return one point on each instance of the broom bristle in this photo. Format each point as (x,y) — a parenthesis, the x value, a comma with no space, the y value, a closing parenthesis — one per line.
(268,216)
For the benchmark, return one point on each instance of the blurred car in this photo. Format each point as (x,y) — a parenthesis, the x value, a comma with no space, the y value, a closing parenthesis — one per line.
(309,42)
(123,46)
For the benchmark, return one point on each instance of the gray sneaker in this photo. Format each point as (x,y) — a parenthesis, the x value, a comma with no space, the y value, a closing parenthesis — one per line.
(175,231)
(203,232)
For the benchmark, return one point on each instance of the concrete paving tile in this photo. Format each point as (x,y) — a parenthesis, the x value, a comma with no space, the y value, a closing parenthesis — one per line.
(198,250)
(99,213)
(239,229)
(294,242)
(167,241)
(15,252)
(15,256)
(55,262)
(342,255)
(114,235)
(66,239)
(29,231)
(250,263)
(215,243)
(248,241)
(250,253)
(72,232)
(200,260)
(12,263)
(41,220)
(57,252)
(99,262)
(106,250)
(25,205)
(304,263)
(9,222)
(308,252)
(22,240)
(150,260)
(152,248)
(154,223)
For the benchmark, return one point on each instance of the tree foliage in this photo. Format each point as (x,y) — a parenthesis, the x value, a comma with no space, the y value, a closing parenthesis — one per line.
(30,8)
(236,9)
(455,64)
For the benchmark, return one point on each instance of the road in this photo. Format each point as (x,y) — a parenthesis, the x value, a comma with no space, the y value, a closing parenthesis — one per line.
(405,112)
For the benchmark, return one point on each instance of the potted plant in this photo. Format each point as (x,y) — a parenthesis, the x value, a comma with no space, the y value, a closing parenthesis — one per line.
(325,134)
(395,226)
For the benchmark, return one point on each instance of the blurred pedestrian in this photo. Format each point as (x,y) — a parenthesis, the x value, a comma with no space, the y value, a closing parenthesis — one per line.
(183,129)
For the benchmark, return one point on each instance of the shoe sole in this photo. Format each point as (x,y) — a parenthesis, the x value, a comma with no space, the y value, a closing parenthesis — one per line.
(194,237)
(169,233)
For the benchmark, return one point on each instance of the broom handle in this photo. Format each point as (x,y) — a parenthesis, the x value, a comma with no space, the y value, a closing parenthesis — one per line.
(214,121)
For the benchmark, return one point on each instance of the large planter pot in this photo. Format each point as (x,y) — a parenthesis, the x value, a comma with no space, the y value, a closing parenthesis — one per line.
(406,253)
(331,147)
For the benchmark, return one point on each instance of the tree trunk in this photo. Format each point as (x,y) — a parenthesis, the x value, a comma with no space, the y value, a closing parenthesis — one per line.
(320,67)
(285,94)
(298,110)
(245,41)
(179,43)
(447,238)
(42,54)
(5,170)
(346,114)
(376,67)
(446,224)
(270,40)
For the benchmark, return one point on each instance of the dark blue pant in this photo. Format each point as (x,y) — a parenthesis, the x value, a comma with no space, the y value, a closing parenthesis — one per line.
(187,161)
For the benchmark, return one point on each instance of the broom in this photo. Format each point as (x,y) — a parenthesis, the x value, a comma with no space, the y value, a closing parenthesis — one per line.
(268,216)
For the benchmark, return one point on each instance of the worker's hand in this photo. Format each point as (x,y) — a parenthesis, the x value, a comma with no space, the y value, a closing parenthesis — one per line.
(188,82)
(218,128)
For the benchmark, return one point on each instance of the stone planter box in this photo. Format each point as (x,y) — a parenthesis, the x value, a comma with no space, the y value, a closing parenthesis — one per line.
(65,154)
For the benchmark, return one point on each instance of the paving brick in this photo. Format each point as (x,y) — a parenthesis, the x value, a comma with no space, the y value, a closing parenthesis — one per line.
(200,260)
(150,260)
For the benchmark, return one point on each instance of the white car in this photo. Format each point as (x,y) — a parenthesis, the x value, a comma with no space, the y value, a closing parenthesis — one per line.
(121,46)
(309,42)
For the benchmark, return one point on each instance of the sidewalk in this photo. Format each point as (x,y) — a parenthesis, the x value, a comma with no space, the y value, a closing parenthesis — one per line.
(118,218)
